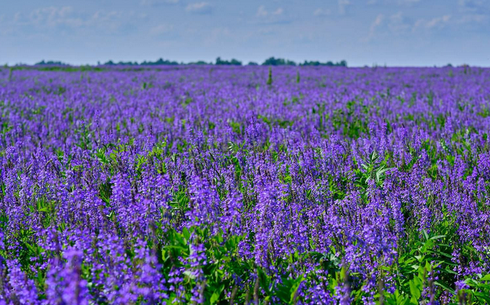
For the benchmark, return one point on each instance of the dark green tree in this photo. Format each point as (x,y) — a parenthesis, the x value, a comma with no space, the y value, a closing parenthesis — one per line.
(50,62)
(232,62)
(271,61)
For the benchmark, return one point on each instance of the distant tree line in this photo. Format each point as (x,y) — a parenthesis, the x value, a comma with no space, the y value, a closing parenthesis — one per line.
(271,61)
(51,62)
(341,63)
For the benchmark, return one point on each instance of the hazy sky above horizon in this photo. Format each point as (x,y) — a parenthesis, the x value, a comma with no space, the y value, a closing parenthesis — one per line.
(391,32)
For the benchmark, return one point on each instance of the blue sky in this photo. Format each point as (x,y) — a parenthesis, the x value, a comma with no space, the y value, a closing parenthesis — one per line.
(363,32)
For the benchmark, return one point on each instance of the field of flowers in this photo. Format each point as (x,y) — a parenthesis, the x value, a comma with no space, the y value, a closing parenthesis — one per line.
(244,185)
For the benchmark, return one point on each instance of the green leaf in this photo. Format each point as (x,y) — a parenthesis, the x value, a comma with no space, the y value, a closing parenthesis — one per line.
(482,296)
(216,294)
(444,285)
(437,237)
(264,280)
(288,289)
(186,233)
(415,289)
(294,288)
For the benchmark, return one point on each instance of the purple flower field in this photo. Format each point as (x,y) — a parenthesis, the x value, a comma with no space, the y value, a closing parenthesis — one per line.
(236,185)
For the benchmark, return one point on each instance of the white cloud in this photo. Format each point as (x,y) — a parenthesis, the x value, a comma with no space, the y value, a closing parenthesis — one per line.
(51,17)
(376,24)
(475,18)
(199,8)
(262,12)
(395,24)
(159,2)
(161,29)
(278,12)
(438,22)
(321,12)
(449,20)
(343,6)
(398,24)
(67,19)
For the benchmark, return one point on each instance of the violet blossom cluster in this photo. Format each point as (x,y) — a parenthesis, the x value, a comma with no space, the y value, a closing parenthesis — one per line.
(207,185)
